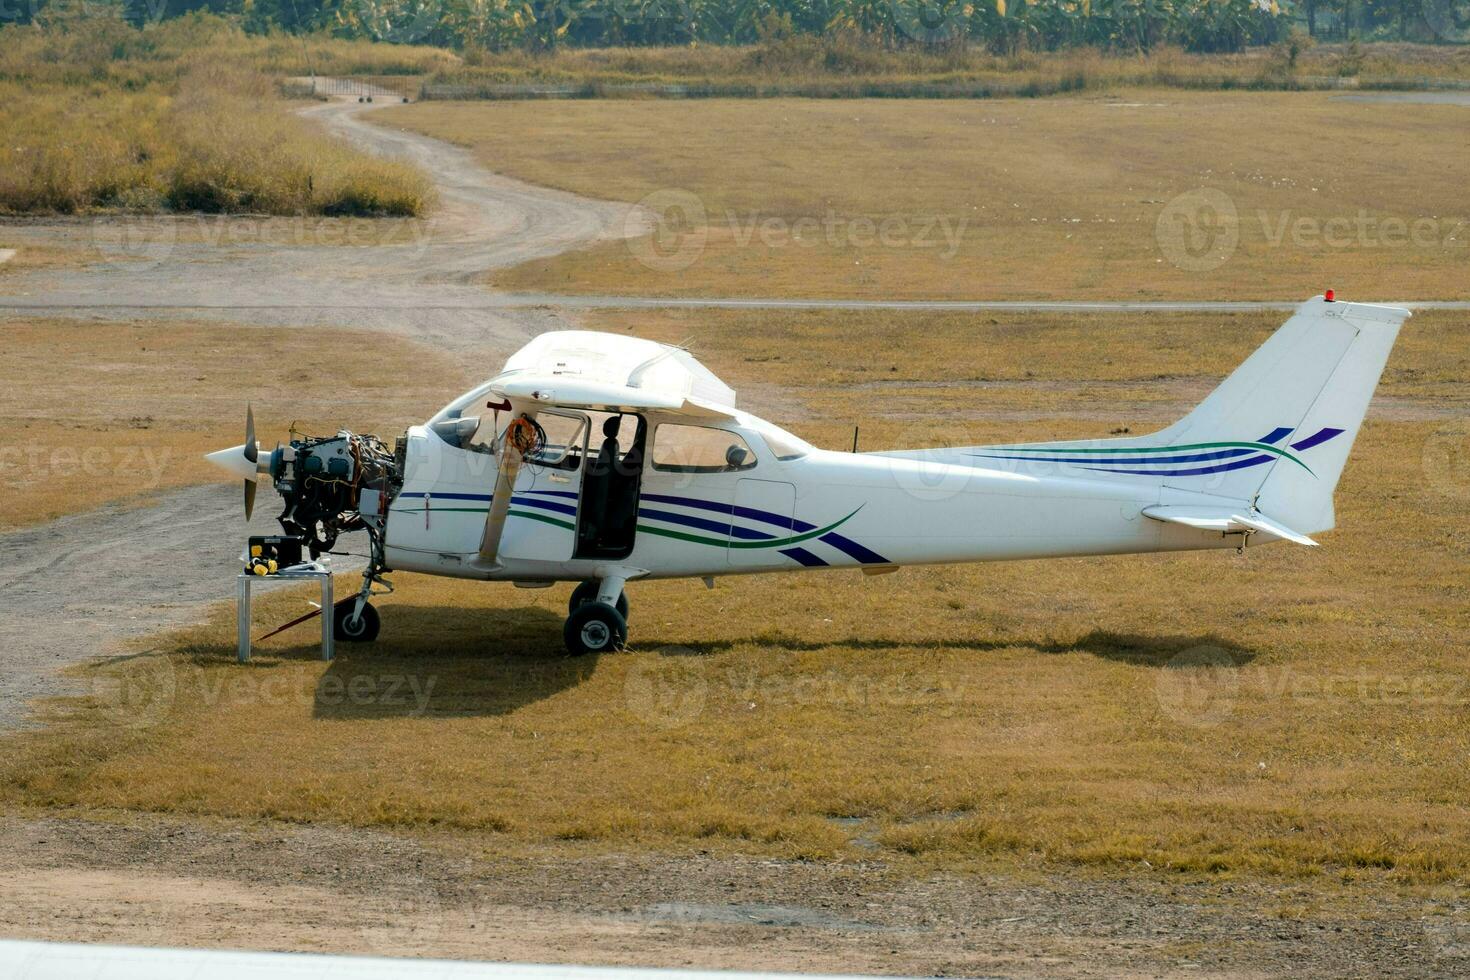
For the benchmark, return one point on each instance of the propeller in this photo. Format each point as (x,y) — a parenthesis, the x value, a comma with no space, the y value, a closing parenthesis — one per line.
(252,453)
(243,461)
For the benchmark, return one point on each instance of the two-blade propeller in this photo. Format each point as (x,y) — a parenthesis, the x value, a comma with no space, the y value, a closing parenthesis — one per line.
(252,453)
(243,461)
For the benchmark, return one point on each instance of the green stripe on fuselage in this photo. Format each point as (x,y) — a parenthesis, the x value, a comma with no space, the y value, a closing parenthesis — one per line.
(1058,450)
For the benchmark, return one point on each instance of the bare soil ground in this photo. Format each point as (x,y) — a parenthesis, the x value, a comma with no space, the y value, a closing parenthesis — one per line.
(128,878)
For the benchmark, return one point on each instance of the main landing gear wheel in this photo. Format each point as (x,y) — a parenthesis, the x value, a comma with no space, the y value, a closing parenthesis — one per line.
(355,628)
(595,627)
(587,592)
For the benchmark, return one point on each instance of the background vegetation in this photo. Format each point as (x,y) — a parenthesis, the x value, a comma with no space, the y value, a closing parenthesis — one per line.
(1004,25)
(100,114)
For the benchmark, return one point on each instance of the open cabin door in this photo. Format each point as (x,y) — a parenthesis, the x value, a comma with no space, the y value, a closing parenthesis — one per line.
(542,521)
(607,515)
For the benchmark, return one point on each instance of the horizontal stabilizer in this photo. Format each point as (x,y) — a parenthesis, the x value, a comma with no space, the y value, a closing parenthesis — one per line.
(1226,520)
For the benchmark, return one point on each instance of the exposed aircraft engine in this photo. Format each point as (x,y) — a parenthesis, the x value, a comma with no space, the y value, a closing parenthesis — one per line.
(334,485)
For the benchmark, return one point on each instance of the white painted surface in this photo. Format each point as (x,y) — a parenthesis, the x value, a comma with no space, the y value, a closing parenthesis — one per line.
(67,961)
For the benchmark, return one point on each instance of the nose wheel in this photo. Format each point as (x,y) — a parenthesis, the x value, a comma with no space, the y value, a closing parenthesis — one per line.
(595,628)
(594,624)
(353,626)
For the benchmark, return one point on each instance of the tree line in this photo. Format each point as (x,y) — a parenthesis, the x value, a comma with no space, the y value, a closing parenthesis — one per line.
(1001,25)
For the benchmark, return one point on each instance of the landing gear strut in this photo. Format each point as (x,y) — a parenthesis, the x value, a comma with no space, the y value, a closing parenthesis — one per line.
(598,620)
(356,620)
(587,592)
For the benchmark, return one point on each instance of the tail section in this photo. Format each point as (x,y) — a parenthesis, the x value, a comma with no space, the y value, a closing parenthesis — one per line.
(1301,496)
(1275,434)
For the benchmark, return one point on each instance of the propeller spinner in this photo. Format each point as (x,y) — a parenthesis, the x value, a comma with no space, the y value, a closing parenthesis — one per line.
(243,461)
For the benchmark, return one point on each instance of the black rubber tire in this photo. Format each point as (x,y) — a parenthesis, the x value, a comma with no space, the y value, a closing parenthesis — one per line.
(363,630)
(586,592)
(595,628)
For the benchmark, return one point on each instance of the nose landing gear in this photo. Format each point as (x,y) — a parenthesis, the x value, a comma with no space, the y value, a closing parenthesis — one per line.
(598,618)
(587,592)
(595,628)
(352,625)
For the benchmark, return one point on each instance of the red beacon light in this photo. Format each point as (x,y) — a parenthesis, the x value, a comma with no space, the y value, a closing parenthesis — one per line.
(1330,296)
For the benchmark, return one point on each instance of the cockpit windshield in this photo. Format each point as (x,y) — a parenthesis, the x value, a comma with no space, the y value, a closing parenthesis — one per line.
(783,445)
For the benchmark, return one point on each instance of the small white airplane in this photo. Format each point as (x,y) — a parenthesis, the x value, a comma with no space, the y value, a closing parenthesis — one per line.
(601,459)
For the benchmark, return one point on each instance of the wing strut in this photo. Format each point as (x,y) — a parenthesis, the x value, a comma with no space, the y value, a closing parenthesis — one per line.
(519,438)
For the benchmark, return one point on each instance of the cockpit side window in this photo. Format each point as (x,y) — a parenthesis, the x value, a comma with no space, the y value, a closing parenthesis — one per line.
(679,448)
(561,437)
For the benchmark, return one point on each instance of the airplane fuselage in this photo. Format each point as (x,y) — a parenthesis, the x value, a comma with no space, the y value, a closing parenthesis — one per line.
(821,509)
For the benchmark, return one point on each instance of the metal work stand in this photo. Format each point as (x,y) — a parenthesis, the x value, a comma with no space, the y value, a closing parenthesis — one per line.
(298,574)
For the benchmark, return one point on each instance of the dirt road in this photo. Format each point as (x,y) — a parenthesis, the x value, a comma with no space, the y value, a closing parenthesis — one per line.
(421,283)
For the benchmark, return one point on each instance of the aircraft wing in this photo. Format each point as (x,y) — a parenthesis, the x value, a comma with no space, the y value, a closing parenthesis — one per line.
(1226,520)
(560,391)
(579,369)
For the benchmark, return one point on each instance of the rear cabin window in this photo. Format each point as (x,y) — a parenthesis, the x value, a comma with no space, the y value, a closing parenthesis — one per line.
(700,449)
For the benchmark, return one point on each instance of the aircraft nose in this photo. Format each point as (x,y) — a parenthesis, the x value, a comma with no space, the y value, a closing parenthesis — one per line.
(235,461)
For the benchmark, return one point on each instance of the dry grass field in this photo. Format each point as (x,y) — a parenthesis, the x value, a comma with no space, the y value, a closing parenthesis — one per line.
(100,115)
(1292,713)
(97,412)
(1074,197)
